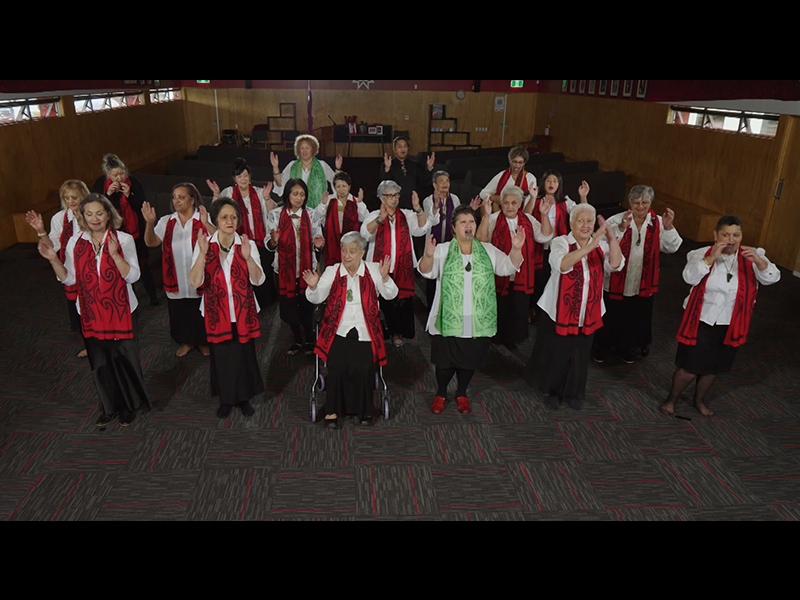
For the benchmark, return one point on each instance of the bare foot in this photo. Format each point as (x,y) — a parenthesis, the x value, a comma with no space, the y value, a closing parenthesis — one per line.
(704,410)
(668,408)
(184,350)
(205,351)
(83,354)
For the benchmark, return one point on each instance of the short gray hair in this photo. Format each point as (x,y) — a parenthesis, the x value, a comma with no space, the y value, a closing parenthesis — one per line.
(355,238)
(513,191)
(388,186)
(111,162)
(580,208)
(438,174)
(645,192)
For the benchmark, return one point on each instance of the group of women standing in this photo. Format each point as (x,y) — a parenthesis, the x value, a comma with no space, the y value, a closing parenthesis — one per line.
(488,262)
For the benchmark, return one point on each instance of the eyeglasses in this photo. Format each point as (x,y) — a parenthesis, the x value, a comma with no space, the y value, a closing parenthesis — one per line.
(391,196)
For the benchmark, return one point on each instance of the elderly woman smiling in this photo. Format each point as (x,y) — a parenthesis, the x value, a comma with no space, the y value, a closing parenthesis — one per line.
(315,173)
(630,294)
(573,308)
(351,337)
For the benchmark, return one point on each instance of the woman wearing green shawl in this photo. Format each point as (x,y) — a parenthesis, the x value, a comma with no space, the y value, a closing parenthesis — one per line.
(316,174)
(464,316)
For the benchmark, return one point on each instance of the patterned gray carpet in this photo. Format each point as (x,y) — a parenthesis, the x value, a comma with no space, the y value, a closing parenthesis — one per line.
(618,460)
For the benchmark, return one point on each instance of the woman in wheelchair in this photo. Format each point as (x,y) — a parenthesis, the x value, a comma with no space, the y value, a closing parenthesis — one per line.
(351,338)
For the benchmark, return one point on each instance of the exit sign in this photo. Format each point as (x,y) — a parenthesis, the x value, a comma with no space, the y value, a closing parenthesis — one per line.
(517,83)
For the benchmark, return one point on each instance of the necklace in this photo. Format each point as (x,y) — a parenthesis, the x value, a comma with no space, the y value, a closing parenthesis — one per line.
(100,245)
(727,268)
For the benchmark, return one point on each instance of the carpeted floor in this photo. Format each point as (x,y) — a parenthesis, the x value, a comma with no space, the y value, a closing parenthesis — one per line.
(618,460)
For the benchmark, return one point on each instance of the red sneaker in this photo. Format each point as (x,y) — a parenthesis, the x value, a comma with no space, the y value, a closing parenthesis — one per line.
(463,406)
(438,405)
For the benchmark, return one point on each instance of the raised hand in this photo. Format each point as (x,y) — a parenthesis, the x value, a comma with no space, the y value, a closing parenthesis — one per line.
(387,162)
(476,204)
(669,219)
(534,193)
(432,161)
(212,185)
(546,205)
(415,201)
(603,231)
(583,191)
(384,214)
(126,189)
(326,197)
(518,241)
(204,216)
(113,246)
(488,207)
(247,249)
(627,219)
(360,197)
(202,243)
(430,248)
(150,216)
(319,242)
(275,161)
(339,162)
(386,266)
(311,278)
(36,221)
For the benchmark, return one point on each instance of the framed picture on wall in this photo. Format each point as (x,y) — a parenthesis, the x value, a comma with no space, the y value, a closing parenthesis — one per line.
(641,89)
(573,86)
(582,87)
(627,91)
(592,86)
(614,88)
(603,87)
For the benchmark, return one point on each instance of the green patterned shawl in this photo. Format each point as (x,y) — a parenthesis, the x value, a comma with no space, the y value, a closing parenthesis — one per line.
(317,184)
(450,321)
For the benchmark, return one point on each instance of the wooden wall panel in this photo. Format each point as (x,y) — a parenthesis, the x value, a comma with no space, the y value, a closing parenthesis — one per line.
(249,107)
(39,156)
(723,172)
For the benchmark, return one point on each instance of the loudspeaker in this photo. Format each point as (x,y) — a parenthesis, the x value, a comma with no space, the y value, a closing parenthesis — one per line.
(477,87)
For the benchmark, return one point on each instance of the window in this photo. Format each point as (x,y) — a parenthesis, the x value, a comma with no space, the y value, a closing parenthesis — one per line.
(169,95)
(720,119)
(89,103)
(29,109)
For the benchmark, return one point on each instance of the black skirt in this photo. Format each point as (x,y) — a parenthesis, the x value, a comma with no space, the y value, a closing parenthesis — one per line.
(235,373)
(399,315)
(297,311)
(512,318)
(559,365)
(74,317)
(457,353)
(266,294)
(710,356)
(186,323)
(628,324)
(117,374)
(351,379)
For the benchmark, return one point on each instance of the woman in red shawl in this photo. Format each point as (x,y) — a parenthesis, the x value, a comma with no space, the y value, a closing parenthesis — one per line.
(718,312)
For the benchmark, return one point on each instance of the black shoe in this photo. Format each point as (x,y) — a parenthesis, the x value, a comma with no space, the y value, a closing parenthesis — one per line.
(628,358)
(295,349)
(332,424)
(645,351)
(106,420)
(224,411)
(247,409)
(367,422)
(600,356)
(512,347)
(127,419)
(574,404)
(309,349)
(553,403)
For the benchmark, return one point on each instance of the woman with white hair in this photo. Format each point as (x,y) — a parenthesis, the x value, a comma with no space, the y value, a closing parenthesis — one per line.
(350,340)
(514,293)
(630,294)
(573,308)
(316,174)
(389,232)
